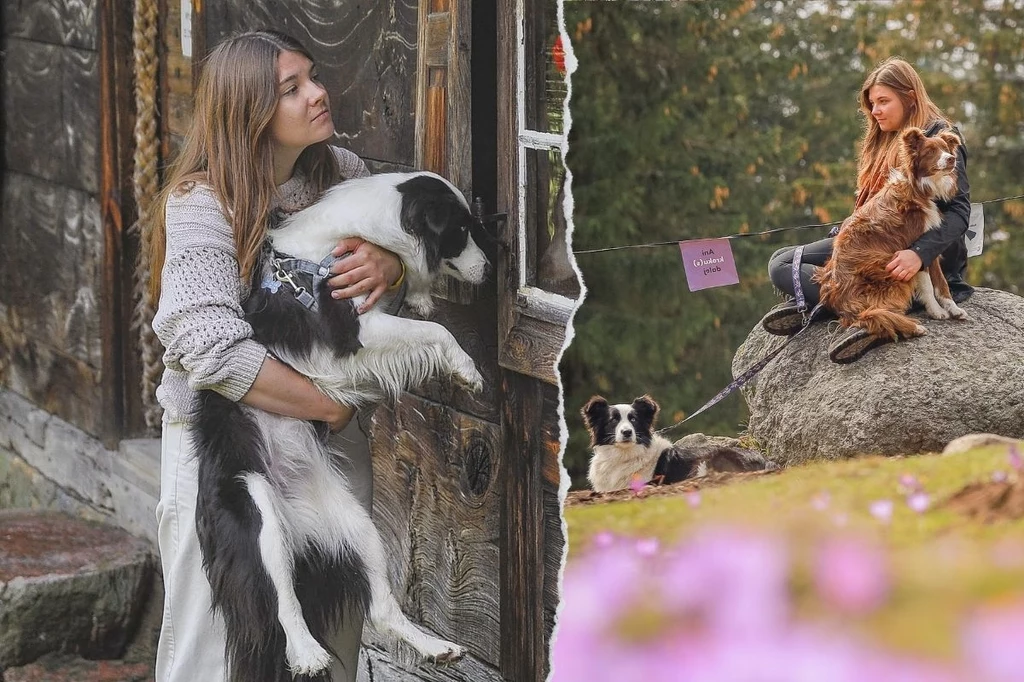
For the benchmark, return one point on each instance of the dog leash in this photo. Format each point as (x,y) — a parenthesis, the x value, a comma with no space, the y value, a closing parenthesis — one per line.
(747,375)
(753,370)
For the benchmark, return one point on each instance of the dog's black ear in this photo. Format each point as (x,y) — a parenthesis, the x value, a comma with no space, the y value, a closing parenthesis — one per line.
(438,212)
(594,411)
(646,408)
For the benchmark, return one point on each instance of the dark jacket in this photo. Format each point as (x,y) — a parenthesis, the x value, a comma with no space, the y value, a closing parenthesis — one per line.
(947,240)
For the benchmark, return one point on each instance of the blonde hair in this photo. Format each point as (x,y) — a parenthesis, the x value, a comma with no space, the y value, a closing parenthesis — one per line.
(228,147)
(880,149)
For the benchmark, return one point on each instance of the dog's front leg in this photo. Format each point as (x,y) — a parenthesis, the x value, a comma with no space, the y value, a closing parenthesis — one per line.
(304,654)
(942,294)
(924,292)
(413,351)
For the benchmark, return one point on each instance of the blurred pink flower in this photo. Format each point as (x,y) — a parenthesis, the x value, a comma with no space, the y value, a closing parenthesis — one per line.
(693,498)
(999,476)
(1015,458)
(881,510)
(637,484)
(852,574)
(919,501)
(992,640)
(647,546)
(601,585)
(743,578)
(1008,553)
(909,483)
(724,598)
(821,500)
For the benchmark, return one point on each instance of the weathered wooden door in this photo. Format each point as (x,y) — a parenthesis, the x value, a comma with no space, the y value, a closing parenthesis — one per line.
(438,497)
(537,289)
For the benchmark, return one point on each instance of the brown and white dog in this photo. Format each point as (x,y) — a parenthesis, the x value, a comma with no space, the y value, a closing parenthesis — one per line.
(855,283)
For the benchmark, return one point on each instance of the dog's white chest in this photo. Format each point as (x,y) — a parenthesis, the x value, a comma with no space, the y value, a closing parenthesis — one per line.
(615,468)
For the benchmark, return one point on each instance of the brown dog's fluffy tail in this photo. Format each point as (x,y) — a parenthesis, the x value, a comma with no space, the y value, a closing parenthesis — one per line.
(885,323)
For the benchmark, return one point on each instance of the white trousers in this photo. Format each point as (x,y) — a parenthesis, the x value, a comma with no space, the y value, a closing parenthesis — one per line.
(191,646)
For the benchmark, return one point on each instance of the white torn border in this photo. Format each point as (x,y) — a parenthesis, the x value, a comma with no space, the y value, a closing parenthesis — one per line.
(567,211)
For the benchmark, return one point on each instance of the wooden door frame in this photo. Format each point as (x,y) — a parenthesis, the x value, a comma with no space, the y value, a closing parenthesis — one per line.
(117,211)
(530,337)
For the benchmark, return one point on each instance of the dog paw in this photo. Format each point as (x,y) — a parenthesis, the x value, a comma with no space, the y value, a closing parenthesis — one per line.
(471,380)
(952,309)
(938,314)
(420,303)
(441,652)
(919,331)
(465,373)
(307,658)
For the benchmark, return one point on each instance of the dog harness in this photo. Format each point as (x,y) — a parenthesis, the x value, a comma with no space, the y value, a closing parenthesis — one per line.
(286,270)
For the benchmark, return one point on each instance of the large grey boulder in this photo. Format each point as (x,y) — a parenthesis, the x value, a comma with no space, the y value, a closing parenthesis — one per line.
(903,398)
(68,585)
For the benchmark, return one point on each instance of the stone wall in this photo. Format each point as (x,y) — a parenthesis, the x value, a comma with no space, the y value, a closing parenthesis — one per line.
(51,236)
(47,463)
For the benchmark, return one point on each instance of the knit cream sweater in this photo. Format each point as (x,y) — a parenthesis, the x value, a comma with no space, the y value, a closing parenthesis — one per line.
(199,321)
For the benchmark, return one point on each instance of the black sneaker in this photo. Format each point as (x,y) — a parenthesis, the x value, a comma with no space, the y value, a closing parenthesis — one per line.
(853,344)
(784,320)
(959,290)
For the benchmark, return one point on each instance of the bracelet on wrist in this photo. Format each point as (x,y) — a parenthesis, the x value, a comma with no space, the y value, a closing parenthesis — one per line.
(401,278)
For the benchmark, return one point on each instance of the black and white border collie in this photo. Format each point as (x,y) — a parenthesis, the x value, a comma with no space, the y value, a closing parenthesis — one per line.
(626,447)
(286,545)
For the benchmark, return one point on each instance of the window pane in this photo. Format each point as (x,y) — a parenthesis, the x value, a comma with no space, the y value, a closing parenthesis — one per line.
(547,256)
(545,67)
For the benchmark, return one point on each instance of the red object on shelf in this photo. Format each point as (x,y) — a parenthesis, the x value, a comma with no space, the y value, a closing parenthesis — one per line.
(558,55)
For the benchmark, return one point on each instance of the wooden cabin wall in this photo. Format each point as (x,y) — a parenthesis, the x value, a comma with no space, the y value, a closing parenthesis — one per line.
(51,232)
(366,53)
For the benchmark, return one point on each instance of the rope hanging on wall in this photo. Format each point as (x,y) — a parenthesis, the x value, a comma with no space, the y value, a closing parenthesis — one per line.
(146,182)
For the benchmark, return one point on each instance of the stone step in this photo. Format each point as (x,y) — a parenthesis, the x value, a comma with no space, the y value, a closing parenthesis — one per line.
(68,586)
(63,668)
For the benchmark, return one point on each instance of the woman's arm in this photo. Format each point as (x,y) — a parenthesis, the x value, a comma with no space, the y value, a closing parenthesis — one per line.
(201,323)
(281,390)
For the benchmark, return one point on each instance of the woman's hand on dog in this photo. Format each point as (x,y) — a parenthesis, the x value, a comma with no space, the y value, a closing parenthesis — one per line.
(904,265)
(368,269)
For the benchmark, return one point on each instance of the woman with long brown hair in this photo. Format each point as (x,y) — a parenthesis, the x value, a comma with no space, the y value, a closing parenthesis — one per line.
(893,98)
(256,149)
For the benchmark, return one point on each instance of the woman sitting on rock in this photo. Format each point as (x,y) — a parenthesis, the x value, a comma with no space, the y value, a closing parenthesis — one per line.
(893,98)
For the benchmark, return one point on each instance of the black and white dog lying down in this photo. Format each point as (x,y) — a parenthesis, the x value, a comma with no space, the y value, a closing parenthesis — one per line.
(625,447)
(286,544)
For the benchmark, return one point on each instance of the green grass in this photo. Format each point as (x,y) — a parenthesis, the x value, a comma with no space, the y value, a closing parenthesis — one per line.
(943,562)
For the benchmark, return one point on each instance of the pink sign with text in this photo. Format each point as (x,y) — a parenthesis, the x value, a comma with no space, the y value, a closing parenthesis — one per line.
(709,263)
